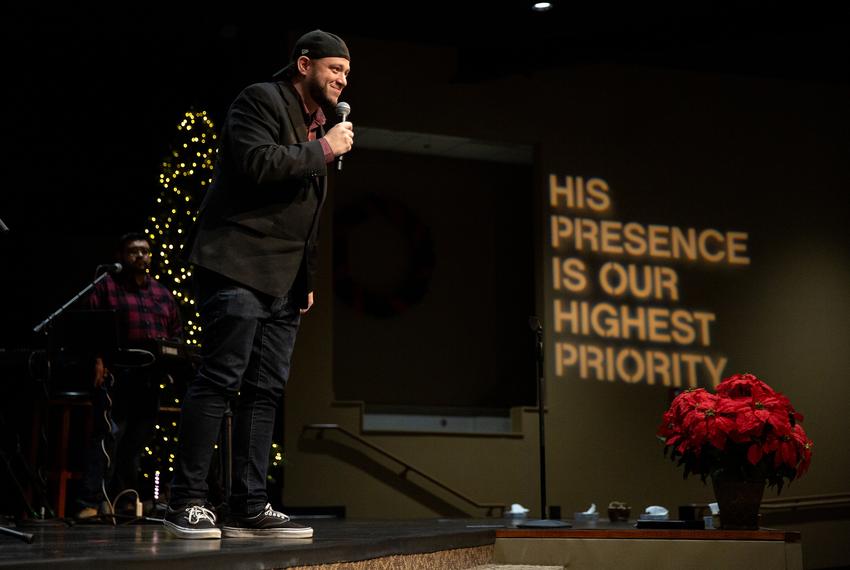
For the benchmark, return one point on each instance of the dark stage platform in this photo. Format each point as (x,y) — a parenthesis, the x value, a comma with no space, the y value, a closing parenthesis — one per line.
(92,546)
(444,544)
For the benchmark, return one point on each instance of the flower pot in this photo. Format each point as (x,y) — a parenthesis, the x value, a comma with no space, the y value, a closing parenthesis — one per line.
(739,501)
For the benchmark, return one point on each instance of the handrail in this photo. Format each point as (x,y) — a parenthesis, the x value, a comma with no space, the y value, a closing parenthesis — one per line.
(408,467)
(830,500)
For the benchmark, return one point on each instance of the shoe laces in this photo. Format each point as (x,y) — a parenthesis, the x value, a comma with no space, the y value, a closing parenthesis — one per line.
(197,513)
(270,512)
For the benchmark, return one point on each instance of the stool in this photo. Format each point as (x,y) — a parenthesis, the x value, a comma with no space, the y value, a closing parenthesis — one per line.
(59,471)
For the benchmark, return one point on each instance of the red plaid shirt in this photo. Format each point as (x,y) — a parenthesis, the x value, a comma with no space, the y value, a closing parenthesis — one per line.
(144,313)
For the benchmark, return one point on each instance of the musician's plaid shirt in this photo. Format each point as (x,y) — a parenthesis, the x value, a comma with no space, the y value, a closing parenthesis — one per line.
(144,313)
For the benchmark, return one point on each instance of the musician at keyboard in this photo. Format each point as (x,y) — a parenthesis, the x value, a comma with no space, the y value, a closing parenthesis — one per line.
(147,313)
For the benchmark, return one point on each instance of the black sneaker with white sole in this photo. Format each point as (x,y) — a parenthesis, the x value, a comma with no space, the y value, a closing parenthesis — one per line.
(191,521)
(268,523)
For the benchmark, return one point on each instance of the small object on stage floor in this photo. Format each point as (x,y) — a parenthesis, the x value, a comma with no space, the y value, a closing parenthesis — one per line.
(618,511)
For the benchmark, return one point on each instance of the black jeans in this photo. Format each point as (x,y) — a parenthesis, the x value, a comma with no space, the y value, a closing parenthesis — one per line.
(247,342)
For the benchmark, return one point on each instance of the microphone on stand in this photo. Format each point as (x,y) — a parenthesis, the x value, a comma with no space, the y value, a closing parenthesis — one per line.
(342,110)
(109,268)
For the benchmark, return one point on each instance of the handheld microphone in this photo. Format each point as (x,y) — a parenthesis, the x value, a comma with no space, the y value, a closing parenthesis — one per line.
(342,110)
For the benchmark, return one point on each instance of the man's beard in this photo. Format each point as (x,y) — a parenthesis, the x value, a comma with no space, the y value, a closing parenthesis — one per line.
(318,94)
(136,269)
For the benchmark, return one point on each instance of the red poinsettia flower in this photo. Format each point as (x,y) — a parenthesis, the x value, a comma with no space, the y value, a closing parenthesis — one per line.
(786,453)
(689,400)
(743,386)
(805,445)
(706,423)
(754,414)
(671,428)
(746,427)
(755,452)
(762,446)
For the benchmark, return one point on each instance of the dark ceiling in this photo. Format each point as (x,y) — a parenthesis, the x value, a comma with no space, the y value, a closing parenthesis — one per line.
(795,41)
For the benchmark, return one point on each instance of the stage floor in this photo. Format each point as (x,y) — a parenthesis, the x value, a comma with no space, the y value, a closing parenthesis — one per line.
(134,546)
(426,543)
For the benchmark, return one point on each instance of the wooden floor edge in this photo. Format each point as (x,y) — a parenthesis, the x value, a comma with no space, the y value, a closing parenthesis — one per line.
(765,535)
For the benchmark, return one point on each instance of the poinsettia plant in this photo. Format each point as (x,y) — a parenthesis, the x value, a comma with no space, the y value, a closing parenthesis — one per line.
(744,430)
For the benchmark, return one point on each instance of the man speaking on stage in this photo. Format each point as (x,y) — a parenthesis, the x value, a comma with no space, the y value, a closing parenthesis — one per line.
(254,248)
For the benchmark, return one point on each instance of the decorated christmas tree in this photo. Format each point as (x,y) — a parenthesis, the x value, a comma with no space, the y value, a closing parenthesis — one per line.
(187,172)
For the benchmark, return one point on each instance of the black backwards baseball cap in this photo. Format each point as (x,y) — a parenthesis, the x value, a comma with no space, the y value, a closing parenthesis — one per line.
(315,45)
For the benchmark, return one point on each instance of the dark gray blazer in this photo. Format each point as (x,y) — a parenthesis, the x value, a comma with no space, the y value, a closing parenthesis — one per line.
(258,223)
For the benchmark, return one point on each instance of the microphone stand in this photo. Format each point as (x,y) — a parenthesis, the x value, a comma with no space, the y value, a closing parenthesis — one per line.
(25,536)
(5,525)
(543,522)
(46,326)
(40,326)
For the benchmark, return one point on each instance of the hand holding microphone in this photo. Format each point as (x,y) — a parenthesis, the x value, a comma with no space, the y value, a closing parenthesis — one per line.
(341,136)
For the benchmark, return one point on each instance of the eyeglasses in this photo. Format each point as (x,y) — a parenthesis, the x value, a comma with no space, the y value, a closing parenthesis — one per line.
(140,251)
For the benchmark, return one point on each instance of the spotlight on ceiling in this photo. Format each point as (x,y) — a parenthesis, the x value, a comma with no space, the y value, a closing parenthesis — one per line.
(541,6)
